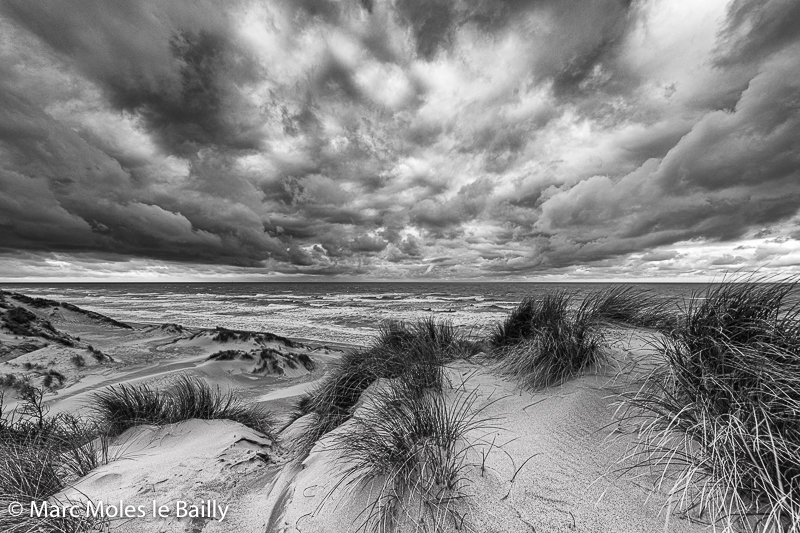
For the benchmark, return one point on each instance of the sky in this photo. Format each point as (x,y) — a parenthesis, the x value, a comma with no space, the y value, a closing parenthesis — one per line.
(252,140)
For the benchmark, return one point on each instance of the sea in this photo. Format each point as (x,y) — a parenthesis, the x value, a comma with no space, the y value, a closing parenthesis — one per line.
(338,312)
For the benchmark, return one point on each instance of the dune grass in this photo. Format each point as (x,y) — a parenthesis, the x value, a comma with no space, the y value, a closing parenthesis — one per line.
(34,474)
(741,310)
(530,316)
(622,305)
(123,406)
(40,455)
(544,342)
(413,447)
(412,353)
(553,355)
(403,432)
(721,417)
(547,340)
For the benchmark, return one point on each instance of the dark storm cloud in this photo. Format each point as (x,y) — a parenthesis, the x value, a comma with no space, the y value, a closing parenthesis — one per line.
(438,217)
(48,170)
(757,28)
(399,138)
(733,171)
(172,63)
(432,22)
(584,35)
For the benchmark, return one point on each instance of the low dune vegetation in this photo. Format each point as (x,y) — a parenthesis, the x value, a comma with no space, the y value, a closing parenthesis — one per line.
(410,353)
(21,385)
(721,414)
(404,432)
(226,335)
(413,447)
(625,305)
(40,455)
(123,406)
(20,321)
(546,340)
(43,303)
(615,306)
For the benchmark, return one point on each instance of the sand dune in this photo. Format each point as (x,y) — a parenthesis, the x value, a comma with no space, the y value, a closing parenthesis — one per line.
(560,446)
(570,481)
(195,462)
(105,352)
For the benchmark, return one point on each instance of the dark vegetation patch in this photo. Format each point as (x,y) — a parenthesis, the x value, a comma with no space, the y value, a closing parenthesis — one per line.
(20,321)
(51,379)
(410,353)
(268,360)
(272,361)
(41,455)
(38,303)
(721,415)
(548,339)
(227,335)
(41,303)
(229,355)
(10,351)
(172,328)
(20,384)
(124,406)
(99,355)
(306,361)
(52,375)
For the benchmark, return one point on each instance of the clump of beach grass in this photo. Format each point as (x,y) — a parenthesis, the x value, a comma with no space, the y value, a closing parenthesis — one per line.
(124,406)
(544,342)
(553,355)
(549,339)
(41,455)
(529,317)
(411,449)
(741,310)
(720,417)
(34,474)
(412,353)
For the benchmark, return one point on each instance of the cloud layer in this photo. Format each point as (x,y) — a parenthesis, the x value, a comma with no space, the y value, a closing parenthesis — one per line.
(399,138)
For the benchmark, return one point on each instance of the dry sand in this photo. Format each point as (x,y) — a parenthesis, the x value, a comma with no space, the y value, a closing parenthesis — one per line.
(195,462)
